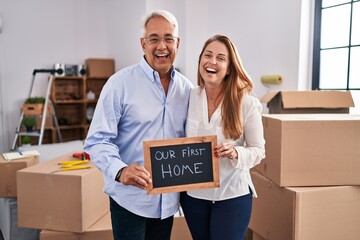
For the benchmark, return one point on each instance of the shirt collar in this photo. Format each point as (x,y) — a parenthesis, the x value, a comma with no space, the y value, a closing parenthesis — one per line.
(150,72)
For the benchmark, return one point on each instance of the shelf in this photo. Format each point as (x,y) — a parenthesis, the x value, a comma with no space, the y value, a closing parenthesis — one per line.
(68,89)
(95,85)
(91,101)
(70,134)
(69,97)
(50,136)
(72,126)
(30,134)
(68,101)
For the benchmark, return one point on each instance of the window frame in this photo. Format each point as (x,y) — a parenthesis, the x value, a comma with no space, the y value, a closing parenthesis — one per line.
(317,48)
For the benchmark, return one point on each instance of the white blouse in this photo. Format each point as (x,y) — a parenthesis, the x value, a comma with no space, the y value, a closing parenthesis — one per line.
(235,179)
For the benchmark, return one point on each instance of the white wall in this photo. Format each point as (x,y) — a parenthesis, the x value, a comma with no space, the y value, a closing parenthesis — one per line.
(39,33)
(266,34)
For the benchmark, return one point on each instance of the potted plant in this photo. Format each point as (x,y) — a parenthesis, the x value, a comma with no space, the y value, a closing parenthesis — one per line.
(25,140)
(34,106)
(35,100)
(29,122)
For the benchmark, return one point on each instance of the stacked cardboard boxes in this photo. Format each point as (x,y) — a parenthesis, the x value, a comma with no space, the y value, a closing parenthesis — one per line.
(305,213)
(180,230)
(8,195)
(8,169)
(308,184)
(99,230)
(102,230)
(312,149)
(68,201)
(69,204)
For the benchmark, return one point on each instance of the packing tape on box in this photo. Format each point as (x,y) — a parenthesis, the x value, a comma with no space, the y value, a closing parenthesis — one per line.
(271,79)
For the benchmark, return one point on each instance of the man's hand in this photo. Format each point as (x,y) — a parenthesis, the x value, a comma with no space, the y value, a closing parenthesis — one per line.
(135,175)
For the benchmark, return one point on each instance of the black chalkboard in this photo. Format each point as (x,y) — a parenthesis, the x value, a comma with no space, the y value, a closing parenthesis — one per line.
(181,164)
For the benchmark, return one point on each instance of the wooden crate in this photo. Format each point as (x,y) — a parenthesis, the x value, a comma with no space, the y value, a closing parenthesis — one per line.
(95,85)
(68,89)
(69,96)
(71,134)
(70,114)
(49,122)
(34,108)
(50,136)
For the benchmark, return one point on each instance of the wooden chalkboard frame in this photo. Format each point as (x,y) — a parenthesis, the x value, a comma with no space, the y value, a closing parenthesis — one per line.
(212,139)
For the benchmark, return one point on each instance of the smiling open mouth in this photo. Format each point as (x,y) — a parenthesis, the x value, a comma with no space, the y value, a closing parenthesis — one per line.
(162,55)
(211,70)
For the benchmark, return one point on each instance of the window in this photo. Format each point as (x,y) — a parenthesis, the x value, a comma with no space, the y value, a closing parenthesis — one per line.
(336,56)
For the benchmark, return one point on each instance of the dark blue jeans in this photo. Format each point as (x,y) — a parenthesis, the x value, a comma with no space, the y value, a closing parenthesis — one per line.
(227,219)
(129,226)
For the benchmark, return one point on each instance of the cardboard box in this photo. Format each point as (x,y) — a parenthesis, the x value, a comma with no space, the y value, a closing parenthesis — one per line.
(308,101)
(256,236)
(8,222)
(249,234)
(101,230)
(311,149)
(8,171)
(305,213)
(180,230)
(64,201)
(100,68)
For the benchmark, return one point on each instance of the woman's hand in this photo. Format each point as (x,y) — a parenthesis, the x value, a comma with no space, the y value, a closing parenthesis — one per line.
(225,149)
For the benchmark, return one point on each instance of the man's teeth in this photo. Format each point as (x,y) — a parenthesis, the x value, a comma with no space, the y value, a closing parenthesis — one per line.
(161,55)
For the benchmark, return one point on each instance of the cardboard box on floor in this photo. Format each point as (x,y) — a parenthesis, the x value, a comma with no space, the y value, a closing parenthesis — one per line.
(249,234)
(8,171)
(256,236)
(9,222)
(180,230)
(63,201)
(305,213)
(101,230)
(311,149)
(308,101)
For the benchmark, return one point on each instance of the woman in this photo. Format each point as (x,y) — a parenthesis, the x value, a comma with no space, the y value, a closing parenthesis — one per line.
(222,105)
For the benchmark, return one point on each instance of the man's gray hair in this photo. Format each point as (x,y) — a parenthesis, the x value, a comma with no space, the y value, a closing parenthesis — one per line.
(160,13)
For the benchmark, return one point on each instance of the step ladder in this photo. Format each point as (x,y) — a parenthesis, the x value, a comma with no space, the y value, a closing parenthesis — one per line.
(44,115)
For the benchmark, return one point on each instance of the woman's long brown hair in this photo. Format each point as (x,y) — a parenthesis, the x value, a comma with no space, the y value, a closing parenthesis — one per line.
(234,86)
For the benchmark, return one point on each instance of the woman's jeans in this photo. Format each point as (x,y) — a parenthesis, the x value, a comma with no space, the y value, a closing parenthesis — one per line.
(219,220)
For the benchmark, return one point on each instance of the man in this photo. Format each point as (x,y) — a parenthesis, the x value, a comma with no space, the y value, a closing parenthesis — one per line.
(146,101)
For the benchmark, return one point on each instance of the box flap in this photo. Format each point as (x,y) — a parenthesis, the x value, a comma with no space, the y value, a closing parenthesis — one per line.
(316,99)
(298,117)
(268,96)
(311,99)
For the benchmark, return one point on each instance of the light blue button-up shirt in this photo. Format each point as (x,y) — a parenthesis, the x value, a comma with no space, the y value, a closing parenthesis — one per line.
(132,108)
